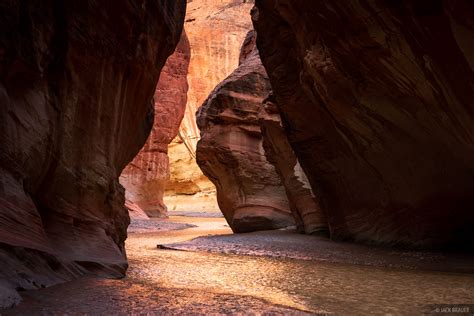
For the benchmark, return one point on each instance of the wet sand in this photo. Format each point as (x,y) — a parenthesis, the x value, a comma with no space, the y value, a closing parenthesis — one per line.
(267,272)
(286,243)
(155,225)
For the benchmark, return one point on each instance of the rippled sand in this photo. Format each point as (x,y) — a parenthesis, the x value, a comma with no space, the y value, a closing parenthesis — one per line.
(268,272)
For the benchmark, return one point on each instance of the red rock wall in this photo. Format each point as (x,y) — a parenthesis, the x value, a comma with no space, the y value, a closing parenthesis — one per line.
(146,176)
(216,29)
(376,98)
(230,152)
(245,151)
(76,83)
(305,206)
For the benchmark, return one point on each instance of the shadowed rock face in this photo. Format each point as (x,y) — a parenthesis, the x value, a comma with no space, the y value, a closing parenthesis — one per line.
(146,176)
(305,207)
(76,83)
(376,98)
(230,152)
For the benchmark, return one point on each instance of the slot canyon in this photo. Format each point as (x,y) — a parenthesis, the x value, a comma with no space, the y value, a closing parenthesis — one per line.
(237,157)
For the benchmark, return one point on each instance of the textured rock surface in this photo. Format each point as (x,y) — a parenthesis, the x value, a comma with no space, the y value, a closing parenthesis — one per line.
(376,97)
(146,176)
(135,211)
(230,152)
(216,29)
(76,82)
(308,214)
(188,188)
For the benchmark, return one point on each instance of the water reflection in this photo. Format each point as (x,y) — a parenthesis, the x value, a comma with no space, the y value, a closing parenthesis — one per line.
(307,285)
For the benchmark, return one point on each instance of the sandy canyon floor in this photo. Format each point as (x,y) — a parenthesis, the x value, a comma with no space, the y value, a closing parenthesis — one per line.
(202,268)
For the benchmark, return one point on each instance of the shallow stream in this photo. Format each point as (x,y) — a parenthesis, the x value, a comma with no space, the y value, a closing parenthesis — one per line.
(237,274)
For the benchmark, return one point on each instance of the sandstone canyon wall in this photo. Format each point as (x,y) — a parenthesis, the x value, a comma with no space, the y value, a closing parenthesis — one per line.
(377,101)
(76,83)
(216,29)
(230,152)
(305,206)
(245,152)
(146,176)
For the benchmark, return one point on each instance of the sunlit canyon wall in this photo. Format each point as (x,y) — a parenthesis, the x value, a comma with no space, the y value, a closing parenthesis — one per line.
(216,30)
(145,178)
(76,85)
(377,101)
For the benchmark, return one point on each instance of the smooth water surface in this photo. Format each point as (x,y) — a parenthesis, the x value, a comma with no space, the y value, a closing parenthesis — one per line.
(304,284)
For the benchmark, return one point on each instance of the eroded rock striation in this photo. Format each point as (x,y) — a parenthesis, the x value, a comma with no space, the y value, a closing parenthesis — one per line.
(376,98)
(307,211)
(230,152)
(76,83)
(145,178)
(216,29)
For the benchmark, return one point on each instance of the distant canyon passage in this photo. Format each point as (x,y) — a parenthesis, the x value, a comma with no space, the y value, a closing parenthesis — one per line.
(146,177)
(166,177)
(216,30)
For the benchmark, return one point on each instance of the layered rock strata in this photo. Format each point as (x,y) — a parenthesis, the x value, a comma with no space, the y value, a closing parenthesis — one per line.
(146,176)
(230,152)
(216,29)
(376,98)
(76,83)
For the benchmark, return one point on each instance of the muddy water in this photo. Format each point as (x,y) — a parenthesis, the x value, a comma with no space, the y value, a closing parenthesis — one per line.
(226,275)
(303,284)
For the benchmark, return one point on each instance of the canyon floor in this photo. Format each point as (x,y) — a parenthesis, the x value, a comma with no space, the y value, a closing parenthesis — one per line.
(202,268)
